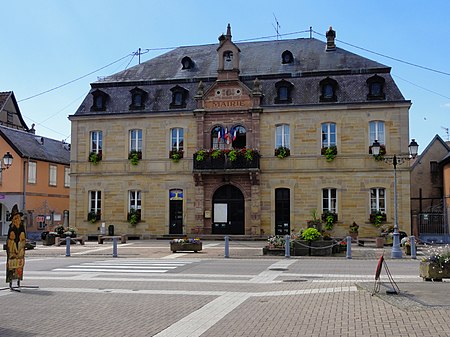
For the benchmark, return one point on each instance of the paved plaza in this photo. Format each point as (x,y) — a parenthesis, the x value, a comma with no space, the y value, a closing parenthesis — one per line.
(148,291)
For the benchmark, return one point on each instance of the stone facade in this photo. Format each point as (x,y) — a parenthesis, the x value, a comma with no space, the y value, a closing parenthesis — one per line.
(245,92)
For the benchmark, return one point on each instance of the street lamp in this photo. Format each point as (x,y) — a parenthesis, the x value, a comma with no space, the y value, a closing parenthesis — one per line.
(396,160)
(7,161)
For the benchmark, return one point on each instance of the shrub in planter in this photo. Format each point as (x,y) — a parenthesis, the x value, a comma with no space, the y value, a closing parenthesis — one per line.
(282,152)
(311,234)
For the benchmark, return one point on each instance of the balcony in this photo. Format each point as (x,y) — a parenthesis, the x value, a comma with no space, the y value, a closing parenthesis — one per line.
(229,160)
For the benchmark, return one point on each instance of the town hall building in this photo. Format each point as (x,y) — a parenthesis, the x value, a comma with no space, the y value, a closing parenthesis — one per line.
(252,138)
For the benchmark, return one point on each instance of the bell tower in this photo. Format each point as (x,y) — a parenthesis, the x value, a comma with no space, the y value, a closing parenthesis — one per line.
(228,54)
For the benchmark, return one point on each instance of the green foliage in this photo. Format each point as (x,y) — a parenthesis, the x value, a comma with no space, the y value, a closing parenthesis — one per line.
(134,216)
(329,221)
(330,153)
(95,157)
(176,155)
(354,227)
(134,158)
(376,219)
(232,155)
(216,153)
(311,234)
(200,155)
(282,152)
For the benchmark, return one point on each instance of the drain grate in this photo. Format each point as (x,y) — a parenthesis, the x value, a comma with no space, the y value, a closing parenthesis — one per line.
(298,280)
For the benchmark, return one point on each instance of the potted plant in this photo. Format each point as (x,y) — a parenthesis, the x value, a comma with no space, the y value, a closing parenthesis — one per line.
(329,218)
(186,244)
(316,222)
(95,157)
(354,228)
(134,216)
(435,265)
(377,218)
(134,157)
(275,245)
(282,152)
(93,217)
(176,155)
(311,234)
(329,152)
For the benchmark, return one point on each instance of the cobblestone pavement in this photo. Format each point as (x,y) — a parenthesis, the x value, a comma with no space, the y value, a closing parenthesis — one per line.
(148,291)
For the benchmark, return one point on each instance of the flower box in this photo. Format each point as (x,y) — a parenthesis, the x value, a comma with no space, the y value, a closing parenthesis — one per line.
(431,271)
(181,246)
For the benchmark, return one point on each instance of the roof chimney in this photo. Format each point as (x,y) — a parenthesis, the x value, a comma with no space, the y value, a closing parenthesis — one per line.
(331,35)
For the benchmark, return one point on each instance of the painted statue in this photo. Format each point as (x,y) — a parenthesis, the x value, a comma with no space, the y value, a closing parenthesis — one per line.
(15,247)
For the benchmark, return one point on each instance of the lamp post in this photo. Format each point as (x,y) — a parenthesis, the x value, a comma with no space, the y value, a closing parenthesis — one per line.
(396,160)
(7,161)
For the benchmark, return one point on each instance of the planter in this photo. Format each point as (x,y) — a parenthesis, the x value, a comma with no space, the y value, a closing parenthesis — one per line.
(49,240)
(379,242)
(275,251)
(179,246)
(431,271)
(312,248)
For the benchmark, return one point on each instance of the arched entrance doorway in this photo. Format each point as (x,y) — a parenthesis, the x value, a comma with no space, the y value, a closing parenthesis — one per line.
(228,211)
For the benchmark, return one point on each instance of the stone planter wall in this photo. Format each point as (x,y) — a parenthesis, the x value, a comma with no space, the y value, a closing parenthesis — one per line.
(431,271)
(179,246)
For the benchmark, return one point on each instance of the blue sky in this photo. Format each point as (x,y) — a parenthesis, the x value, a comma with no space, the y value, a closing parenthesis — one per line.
(48,43)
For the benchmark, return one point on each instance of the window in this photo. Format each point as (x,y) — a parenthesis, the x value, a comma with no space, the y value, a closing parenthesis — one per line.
(228,60)
(96,141)
(134,200)
(328,135)
(284,89)
(282,136)
(177,139)
(179,96)
(99,100)
(95,203)
(376,132)
(329,200)
(287,57)
(376,88)
(53,175)
(136,140)
(377,200)
(328,89)
(138,98)
(32,172)
(66,176)
(238,137)
(218,138)
(187,63)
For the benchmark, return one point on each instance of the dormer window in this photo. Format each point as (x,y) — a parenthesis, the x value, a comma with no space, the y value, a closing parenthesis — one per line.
(376,88)
(179,96)
(138,98)
(284,89)
(228,60)
(187,63)
(287,57)
(99,100)
(328,88)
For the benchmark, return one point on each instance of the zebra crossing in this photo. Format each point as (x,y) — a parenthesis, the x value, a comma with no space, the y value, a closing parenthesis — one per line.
(138,266)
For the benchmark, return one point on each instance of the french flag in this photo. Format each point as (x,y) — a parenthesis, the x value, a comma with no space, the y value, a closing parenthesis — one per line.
(234,133)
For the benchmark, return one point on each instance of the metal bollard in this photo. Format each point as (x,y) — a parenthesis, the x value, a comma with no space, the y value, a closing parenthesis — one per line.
(67,245)
(287,247)
(412,241)
(227,247)
(349,247)
(114,247)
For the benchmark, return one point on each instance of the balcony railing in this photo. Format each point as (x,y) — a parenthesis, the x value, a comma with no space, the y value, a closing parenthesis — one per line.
(224,162)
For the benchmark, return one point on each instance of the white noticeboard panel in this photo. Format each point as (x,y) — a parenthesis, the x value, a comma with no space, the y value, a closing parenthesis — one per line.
(220,212)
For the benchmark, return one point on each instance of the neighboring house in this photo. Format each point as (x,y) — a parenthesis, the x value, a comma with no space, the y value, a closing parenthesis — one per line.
(196,119)
(38,179)
(427,192)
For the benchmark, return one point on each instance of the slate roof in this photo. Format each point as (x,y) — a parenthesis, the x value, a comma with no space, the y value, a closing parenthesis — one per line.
(312,63)
(35,147)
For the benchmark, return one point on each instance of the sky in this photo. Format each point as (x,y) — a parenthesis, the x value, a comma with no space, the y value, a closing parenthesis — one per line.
(53,50)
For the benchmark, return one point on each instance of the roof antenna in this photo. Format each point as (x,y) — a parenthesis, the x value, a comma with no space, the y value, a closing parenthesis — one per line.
(310,32)
(446,131)
(277,28)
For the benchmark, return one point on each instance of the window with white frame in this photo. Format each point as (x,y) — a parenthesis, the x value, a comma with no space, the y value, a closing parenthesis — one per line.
(96,141)
(377,200)
(32,172)
(282,136)
(53,175)
(329,200)
(328,135)
(95,202)
(66,176)
(177,139)
(136,140)
(134,200)
(376,132)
